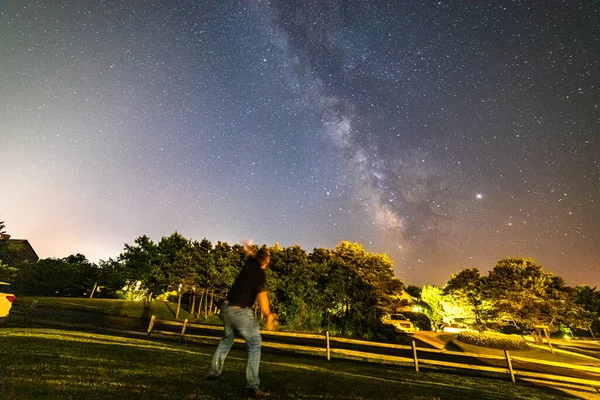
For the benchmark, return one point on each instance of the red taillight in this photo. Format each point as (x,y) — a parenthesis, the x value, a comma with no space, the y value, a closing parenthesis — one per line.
(10,298)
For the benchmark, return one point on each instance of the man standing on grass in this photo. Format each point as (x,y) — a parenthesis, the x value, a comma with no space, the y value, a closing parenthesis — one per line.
(238,316)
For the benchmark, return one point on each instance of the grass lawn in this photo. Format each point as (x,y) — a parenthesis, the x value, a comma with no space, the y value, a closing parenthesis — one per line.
(128,308)
(41,363)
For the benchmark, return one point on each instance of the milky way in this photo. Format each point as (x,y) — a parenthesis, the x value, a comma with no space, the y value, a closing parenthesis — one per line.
(448,135)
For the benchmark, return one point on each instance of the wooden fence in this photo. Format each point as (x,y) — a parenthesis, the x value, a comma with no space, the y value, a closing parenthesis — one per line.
(323,346)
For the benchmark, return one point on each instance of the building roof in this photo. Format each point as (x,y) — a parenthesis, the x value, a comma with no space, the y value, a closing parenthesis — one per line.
(15,251)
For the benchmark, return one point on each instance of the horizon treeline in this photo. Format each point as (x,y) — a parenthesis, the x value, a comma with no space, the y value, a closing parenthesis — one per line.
(345,290)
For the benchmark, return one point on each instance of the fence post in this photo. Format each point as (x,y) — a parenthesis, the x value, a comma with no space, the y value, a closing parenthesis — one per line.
(415,355)
(151,325)
(510,368)
(185,322)
(328,348)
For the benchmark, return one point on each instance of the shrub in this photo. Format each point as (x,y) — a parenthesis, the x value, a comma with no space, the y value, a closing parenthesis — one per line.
(493,340)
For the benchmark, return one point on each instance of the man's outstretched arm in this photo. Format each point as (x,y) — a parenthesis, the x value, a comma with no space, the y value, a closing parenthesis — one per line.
(263,300)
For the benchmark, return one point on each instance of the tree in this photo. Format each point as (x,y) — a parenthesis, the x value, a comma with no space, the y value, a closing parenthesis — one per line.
(2,226)
(292,281)
(83,273)
(143,263)
(588,299)
(112,276)
(183,272)
(357,287)
(521,290)
(168,249)
(226,263)
(7,273)
(433,301)
(465,290)
(205,270)
(73,275)
(414,291)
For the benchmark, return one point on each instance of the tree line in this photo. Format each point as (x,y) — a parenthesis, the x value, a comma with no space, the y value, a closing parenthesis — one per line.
(345,289)
(517,295)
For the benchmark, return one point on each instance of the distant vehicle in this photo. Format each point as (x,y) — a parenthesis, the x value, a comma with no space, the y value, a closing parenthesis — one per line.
(6,299)
(399,322)
(72,291)
(453,328)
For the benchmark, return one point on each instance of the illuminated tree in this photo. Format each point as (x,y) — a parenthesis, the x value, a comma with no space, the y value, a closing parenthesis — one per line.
(432,299)
(465,291)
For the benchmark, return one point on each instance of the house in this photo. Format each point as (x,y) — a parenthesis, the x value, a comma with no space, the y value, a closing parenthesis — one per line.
(16,251)
(404,302)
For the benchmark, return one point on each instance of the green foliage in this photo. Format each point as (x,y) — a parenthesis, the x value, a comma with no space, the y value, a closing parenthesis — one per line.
(72,275)
(225,264)
(414,291)
(144,263)
(493,340)
(518,290)
(587,308)
(432,303)
(357,287)
(465,291)
(345,289)
(111,277)
(521,289)
(7,273)
(183,273)
(291,279)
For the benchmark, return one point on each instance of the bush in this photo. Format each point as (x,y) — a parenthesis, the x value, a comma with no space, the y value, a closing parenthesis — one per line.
(493,340)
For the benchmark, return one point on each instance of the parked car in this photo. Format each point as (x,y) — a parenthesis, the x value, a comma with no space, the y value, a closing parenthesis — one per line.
(6,299)
(399,322)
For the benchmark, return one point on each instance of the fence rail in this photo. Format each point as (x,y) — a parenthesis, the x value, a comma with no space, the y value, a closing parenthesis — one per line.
(324,341)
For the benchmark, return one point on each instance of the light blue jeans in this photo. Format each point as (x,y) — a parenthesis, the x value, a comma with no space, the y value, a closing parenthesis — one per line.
(241,320)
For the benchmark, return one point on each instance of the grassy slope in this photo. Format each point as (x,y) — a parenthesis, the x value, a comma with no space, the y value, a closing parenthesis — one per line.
(44,363)
(167,310)
(108,306)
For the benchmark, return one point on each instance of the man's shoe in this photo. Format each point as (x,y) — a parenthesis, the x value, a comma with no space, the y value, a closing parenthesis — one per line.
(211,377)
(257,393)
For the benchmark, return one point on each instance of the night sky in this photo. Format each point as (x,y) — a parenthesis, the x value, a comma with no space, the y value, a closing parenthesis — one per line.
(447,134)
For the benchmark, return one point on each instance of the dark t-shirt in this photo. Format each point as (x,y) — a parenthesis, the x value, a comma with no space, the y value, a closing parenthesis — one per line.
(249,283)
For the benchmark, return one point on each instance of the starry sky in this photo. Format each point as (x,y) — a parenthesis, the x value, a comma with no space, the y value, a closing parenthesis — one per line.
(447,134)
